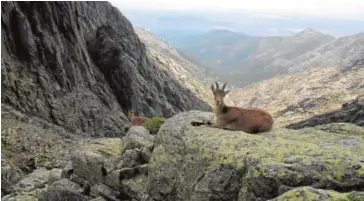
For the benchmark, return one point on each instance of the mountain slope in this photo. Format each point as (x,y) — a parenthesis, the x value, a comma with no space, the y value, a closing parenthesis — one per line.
(81,66)
(245,59)
(208,46)
(187,73)
(218,49)
(340,52)
(295,97)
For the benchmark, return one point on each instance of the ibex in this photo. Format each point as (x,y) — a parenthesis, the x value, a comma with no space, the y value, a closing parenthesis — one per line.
(252,120)
(136,120)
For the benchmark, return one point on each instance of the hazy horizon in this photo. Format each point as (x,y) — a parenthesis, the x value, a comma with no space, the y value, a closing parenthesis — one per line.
(261,18)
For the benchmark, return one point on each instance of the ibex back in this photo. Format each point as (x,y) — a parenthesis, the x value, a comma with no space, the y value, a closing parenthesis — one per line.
(136,120)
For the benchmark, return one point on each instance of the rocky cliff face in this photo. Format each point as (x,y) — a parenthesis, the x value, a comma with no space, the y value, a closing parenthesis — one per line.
(81,66)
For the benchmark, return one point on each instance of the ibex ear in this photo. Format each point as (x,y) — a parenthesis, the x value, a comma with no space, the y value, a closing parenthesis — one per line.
(226,92)
(213,88)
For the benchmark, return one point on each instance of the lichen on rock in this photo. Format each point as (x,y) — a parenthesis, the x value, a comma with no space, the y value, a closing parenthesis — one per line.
(312,194)
(184,156)
(183,162)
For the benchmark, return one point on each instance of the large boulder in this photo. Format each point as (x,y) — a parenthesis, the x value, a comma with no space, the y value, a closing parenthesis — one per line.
(63,190)
(27,188)
(89,158)
(200,163)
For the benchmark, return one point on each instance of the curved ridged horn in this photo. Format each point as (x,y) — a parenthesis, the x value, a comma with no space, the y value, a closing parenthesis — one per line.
(223,87)
(217,85)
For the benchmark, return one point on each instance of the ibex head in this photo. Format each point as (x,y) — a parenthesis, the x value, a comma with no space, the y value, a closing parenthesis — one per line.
(219,94)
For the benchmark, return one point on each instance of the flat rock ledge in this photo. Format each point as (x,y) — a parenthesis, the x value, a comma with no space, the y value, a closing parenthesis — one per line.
(200,163)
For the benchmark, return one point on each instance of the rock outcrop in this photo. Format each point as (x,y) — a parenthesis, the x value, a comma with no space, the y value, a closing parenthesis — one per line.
(105,168)
(183,162)
(80,65)
(351,112)
(190,163)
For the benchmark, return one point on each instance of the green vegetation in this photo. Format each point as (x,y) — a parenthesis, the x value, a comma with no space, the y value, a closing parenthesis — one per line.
(153,124)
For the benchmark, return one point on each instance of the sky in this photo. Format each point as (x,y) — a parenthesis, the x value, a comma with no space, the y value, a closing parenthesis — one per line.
(252,17)
(333,9)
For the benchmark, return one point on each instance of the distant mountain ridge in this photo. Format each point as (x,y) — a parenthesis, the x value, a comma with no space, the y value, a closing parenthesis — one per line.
(216,45)
(242,59)
(340,52)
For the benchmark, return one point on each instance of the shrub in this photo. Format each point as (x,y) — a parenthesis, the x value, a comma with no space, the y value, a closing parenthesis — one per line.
(153,124)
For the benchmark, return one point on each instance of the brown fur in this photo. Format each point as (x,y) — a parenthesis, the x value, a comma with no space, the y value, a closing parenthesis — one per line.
(249,120)
(136,120)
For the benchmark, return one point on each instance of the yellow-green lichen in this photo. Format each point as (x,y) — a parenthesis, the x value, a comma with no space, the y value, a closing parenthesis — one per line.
(136,184)
(105,147)
(23,143)
(309,146)
(312,194)
(29,195)
(342,128)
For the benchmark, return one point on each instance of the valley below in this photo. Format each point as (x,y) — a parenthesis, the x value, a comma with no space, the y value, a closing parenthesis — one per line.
(241,59)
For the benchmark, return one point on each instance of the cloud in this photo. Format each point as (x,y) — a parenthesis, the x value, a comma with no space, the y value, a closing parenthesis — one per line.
(339,9)
(294,30)
(270,16)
